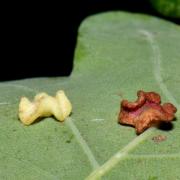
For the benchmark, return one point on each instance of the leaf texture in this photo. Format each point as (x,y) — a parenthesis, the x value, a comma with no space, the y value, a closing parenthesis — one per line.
(117,54)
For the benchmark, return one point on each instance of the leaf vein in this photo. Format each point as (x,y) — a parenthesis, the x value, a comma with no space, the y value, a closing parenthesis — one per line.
(149,156)
(157,66)
(119,156)
(82,143)
(20,86)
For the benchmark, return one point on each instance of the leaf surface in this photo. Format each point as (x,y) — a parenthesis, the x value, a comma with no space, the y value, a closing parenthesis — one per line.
(117,54)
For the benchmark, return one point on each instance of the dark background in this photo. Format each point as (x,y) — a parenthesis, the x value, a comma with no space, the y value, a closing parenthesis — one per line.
(39,39)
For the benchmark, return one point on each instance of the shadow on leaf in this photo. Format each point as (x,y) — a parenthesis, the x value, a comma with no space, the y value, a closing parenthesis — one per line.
(166,126)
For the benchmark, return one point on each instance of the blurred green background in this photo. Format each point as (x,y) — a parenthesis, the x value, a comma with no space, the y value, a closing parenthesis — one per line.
(169,8)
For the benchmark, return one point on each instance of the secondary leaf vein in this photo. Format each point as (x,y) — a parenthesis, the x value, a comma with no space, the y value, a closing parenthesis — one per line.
(83,143)
(157,66)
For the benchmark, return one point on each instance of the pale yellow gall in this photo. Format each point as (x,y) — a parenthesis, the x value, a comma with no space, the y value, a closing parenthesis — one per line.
(44,106)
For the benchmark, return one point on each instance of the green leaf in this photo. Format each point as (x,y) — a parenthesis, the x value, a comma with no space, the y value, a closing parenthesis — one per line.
(170,8)
(117,54)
